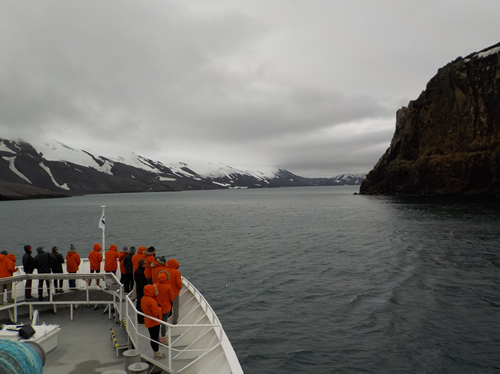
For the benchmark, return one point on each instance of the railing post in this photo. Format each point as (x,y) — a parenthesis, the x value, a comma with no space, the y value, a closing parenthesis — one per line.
(169,340)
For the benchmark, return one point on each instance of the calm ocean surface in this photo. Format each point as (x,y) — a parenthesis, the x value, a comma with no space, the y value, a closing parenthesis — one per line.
(311,280)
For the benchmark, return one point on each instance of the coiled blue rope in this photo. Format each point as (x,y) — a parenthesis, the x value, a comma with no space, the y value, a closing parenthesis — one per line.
(16,357)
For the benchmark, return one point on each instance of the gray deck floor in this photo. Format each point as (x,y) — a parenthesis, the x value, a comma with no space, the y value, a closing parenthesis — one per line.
(84,343)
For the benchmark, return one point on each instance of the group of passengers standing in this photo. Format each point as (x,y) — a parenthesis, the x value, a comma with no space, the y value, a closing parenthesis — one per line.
(157,285)
(44,263)
(157,282)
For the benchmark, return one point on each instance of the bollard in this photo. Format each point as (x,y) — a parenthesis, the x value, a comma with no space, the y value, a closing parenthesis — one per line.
(139,368)
(132,356)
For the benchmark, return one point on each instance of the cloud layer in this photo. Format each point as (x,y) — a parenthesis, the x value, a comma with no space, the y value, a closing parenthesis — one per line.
(312,87)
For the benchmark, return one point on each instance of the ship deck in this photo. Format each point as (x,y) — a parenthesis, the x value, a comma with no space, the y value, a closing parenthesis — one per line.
(98,325)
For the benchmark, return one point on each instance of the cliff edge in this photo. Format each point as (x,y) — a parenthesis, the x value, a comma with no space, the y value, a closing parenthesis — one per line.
(447,142)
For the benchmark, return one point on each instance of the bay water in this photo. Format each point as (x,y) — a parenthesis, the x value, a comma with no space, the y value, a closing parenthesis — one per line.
(310,280)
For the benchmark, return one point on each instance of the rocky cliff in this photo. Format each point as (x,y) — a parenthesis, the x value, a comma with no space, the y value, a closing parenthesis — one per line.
(448,140)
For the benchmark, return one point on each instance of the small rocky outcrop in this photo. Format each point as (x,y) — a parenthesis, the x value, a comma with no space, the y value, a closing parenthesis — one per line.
(447,142)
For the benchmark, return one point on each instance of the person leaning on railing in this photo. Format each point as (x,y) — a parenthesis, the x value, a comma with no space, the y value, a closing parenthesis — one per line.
(57,268)
(43,264)
(7,268)
(29,268)
(111,259)
(95,258)
(72,264)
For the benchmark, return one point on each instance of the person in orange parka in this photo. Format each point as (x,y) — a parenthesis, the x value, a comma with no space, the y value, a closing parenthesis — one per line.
(110,259)
(11,257)
(123,271)
(7,268)
(72,264)
(158,266)
(95,258)
(150,259)
(137,257)
(150,307)
(165,298)
(175,282)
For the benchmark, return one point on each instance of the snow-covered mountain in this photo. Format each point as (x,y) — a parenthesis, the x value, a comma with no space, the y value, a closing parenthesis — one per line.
(57,168)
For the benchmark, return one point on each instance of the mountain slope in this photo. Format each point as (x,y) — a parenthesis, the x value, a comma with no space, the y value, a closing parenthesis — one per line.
(56,169)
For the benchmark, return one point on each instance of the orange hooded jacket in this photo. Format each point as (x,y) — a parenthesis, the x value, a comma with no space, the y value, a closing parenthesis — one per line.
(72,261)
(11,257)
(175,276)
(7,267)
(165,294)
(150,306)
(150,259)
(122,255)
(158,266)
(137,257)
(95,257)
(110,257)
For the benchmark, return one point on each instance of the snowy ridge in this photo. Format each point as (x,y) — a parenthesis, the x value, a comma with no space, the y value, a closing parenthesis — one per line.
(484,53)
(56,167)
(57,151)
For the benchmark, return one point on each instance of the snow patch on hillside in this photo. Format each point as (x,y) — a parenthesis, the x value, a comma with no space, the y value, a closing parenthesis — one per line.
(12,167)
(4,148)
(49,172)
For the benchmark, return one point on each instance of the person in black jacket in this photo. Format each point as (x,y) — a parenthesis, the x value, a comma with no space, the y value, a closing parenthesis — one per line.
(129,270)
(140,283)
(57,268)
(43,264)
(29,267)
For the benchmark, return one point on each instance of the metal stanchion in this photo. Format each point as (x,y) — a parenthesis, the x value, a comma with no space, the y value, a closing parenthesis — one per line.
(132,356)
(139,368)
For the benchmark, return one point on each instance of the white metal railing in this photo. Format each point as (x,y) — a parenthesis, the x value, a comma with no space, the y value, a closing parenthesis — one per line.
(138,339)
(18,290)
(126,311)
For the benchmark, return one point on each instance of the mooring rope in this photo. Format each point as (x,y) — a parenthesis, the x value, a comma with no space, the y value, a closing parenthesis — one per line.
(16,357)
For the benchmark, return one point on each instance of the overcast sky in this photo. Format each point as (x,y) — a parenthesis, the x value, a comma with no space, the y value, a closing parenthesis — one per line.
(311,86)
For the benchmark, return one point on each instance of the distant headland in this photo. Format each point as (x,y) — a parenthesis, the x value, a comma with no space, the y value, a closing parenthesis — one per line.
(447,142)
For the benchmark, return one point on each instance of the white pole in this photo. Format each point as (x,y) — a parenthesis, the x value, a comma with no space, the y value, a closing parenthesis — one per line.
(103,227)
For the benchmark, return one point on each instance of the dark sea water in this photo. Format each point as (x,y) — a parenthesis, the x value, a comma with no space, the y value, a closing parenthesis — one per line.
(311,280)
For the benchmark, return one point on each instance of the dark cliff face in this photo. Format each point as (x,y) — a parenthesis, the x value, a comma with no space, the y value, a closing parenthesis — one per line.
(448,140)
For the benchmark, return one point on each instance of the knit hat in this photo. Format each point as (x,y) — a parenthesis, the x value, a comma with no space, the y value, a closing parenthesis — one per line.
(161,260)
(132,250)
(39,249)
(72,248)
(151,250)
(124,249)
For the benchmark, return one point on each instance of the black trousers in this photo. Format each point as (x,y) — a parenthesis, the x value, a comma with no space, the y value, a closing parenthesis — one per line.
(154,333)
(129,283)
(40,287)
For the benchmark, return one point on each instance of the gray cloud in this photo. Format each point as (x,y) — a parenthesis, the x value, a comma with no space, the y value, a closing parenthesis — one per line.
(289,84)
